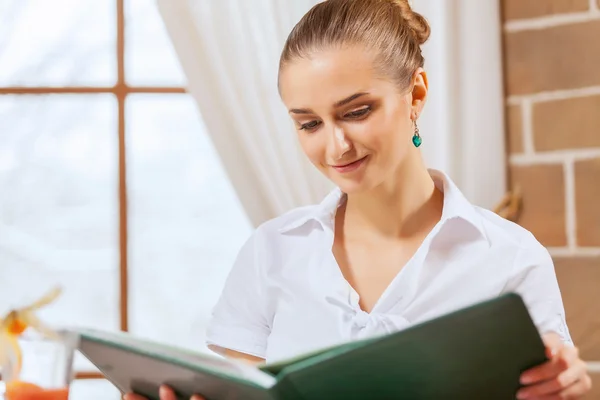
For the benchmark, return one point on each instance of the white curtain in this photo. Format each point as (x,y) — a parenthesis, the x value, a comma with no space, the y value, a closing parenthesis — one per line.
(229,50)
(463,122)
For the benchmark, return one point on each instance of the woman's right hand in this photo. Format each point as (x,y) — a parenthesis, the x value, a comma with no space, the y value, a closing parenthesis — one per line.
(165,393)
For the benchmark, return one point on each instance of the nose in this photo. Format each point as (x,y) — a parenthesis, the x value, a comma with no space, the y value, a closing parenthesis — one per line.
(338,145)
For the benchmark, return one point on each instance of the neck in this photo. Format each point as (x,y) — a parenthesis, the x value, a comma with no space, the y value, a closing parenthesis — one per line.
(402,207)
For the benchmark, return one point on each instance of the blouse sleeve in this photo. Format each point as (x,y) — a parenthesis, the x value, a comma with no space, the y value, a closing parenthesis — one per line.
(240,319)
(533,277)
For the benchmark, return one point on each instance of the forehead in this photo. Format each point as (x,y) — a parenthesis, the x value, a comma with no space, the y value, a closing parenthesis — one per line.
(328,76)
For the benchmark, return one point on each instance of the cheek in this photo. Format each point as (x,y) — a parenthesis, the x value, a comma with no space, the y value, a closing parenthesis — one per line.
(383,133)
(388,137)
(312,147)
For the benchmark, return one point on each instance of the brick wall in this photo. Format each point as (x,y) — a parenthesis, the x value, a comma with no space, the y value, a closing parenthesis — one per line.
(552,84)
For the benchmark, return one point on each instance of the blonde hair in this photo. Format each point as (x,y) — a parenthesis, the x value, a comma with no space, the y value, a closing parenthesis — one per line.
(389,27)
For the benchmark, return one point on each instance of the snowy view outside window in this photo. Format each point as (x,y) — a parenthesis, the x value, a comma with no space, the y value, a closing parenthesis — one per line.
(59,202)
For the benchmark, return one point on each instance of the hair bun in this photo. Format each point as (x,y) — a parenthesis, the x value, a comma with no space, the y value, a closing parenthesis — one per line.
(416,22)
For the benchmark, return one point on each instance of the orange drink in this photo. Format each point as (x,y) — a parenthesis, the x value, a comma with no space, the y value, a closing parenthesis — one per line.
(43,370)
(19,390)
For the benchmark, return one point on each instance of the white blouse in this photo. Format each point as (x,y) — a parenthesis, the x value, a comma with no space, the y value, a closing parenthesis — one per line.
(286,295)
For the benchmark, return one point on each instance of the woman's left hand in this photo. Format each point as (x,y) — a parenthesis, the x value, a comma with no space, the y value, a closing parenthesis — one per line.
(564,376)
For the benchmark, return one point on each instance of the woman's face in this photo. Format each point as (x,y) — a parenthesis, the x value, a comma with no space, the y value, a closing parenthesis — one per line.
(354,125)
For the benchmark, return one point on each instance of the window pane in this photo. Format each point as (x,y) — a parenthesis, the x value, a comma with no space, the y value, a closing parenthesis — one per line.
(59,209)
(57,43)
(186,224)
(150,58)
(92,389)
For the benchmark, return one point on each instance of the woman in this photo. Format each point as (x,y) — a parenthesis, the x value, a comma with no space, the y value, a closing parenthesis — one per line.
(395,243)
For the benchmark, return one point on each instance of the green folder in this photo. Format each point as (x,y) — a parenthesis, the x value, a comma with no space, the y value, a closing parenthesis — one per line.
(477,352)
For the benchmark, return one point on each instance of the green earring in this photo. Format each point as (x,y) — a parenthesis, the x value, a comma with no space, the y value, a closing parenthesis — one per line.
(416,139)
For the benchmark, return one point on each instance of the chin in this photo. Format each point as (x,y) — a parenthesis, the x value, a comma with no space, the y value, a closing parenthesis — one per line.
(354,186)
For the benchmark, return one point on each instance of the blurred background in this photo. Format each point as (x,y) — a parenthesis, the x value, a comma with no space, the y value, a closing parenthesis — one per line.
(141,142)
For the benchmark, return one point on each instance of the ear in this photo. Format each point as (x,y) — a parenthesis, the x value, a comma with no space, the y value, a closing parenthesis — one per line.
(419,92)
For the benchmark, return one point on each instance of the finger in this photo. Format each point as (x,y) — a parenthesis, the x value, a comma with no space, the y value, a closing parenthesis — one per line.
(197,397)
(553,344)
(166,393)
(543,372)
(550,369)
(573,392)
(578,389)
(131,396)
(555,385)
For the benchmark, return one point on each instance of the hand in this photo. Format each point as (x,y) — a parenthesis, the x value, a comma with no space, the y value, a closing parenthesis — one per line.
(564,376)
(165,393)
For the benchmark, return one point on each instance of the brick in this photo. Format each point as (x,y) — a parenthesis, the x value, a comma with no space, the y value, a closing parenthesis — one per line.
(579,279)
(554,58)
(543,208)
(515,131)
(519,9)
(567,124)
(587,193)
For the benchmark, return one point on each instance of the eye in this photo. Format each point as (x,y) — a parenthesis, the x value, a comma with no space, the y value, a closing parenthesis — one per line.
(358,113)
(310,126)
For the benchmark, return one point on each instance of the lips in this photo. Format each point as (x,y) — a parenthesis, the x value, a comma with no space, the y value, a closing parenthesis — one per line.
(350,167)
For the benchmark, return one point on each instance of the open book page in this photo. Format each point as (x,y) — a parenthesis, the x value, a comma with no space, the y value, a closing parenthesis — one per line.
(277,367)
(207,362)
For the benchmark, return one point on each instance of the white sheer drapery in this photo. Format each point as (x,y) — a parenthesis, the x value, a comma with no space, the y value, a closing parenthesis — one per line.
(230,50)
(463,123)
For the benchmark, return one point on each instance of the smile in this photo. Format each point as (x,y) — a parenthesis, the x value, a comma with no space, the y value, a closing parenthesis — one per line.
(350,167)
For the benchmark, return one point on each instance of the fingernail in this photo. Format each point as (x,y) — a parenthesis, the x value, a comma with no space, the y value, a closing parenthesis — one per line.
(162,391)
(525,379)
(521,395)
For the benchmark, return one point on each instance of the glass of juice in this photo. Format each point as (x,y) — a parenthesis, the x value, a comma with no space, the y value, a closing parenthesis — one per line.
(46,368)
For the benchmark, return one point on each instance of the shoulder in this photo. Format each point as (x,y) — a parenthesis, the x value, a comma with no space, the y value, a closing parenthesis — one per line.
(300,221)
(283,223)
(276,240)
(529,267)
(503,232)
(531,273)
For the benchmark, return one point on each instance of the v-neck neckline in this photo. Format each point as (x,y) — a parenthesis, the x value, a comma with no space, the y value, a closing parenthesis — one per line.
(410,268)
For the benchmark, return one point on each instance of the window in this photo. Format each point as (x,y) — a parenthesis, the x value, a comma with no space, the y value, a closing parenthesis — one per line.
(111,186)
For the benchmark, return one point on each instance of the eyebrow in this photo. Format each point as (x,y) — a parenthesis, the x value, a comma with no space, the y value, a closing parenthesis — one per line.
(336,105)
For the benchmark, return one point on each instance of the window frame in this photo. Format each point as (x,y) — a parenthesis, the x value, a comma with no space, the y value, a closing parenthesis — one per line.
(121,90)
